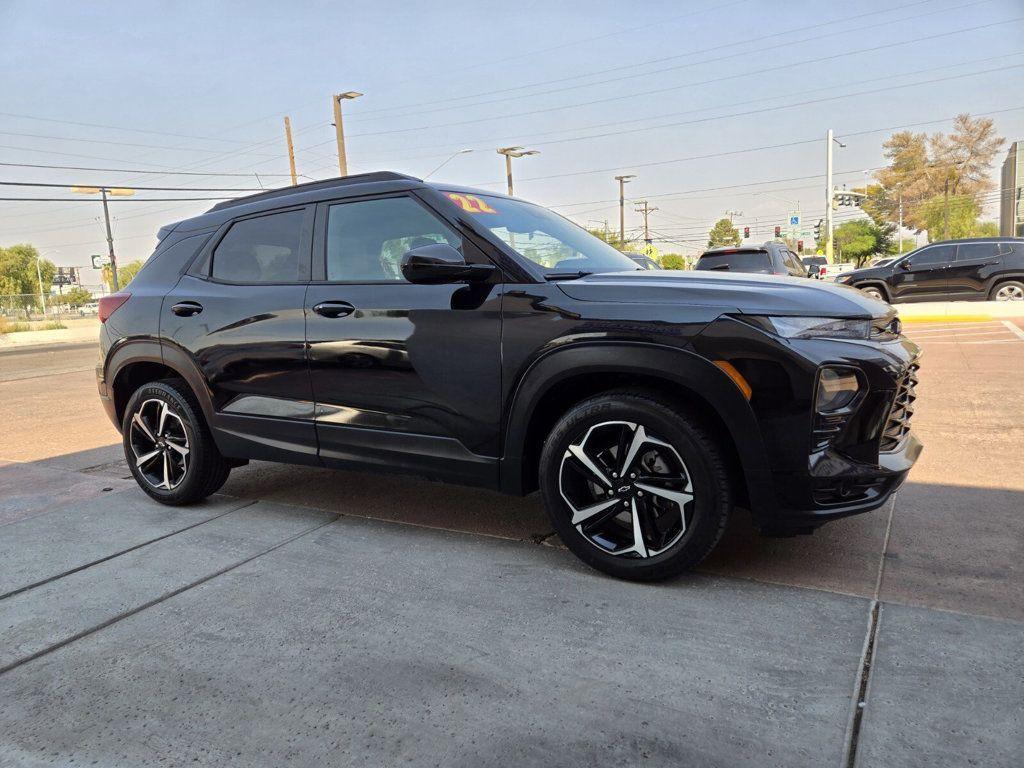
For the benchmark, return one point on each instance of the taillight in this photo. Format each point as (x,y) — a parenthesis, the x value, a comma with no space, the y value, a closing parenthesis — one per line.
(110,304)
(822,270)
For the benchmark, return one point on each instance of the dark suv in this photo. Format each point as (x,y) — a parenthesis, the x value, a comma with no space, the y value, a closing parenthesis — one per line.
(979,269)
(378,322)
(769,259)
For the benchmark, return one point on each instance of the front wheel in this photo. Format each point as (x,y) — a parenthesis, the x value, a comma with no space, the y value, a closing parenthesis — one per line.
(634,486)
(873,292)
(168,446)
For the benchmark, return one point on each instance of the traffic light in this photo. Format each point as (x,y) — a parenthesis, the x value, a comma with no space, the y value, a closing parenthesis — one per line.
(778,231)
(746,232)
(800,246)
(817,230)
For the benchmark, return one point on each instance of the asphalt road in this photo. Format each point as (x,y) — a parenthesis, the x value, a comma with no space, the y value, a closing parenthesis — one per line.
(313,617)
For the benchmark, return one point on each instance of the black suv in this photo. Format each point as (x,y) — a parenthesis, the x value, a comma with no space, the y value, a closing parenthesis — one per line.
(769,259)
(979,269)
(378,322)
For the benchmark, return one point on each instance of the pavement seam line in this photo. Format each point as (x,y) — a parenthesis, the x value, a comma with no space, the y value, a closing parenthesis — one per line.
(160,599)
(867,658)
(119,553)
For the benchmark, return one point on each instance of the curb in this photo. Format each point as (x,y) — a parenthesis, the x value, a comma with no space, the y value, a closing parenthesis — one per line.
(949,319)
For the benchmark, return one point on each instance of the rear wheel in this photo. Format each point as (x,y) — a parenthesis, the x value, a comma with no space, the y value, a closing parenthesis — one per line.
(634,487)
(1011,290)
(168,446)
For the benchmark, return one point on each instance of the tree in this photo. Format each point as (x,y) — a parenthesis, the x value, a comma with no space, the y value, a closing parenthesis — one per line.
(612,238)
(125,273)
(723,233)
(18,276)
(861,239)
(923,167)
(673,261)
(77,296)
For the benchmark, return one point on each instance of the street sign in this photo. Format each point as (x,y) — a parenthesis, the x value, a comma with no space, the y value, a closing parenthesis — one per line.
(794,220)
(99,262)
(651,251)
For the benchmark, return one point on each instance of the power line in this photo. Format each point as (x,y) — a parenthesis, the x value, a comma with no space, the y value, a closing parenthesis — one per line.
(744,53)
(131,170)
(120,200)
(148,189)
(576,105)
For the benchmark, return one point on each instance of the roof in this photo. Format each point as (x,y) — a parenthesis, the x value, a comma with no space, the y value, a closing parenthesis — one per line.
(314,186)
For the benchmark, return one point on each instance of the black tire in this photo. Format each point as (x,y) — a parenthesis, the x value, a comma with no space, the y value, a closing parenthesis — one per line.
(874,292)
(1008,290)
(704,517)
(193,476)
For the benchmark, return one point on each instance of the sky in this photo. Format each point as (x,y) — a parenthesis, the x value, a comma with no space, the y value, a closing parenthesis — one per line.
(715,105)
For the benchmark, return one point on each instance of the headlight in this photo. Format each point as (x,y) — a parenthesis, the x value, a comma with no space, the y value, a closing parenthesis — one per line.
(844,278)
(813,327)
(837,388)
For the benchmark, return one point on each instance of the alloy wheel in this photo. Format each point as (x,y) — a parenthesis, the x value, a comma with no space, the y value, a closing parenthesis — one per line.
(629,491)
(1010,293)
(160,444)
(874,293)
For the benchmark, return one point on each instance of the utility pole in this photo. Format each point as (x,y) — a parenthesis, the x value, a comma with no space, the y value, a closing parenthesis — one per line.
(899,231)
(622,206)
(39,276)
(829,195)
(110,242)
(291,149)
(646,210)
(509,153)
(339,130)
(730,214)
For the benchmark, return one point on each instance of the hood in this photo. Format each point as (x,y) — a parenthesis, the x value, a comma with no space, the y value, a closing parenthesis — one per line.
(744,293)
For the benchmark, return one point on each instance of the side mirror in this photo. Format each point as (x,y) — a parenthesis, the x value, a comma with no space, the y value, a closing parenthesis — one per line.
(440,263)
(906,265)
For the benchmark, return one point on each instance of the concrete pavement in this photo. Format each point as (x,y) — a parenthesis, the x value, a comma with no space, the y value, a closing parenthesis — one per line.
(313,617)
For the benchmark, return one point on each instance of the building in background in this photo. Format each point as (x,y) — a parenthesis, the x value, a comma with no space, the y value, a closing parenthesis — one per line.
(1011,193)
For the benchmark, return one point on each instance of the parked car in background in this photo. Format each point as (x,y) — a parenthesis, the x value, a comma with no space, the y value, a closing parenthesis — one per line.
(92,308)
(769,259)
(882,261)
(378,322)
(976,269)
(817,266)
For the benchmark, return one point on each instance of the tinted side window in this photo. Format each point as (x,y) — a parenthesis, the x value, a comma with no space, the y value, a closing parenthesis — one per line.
(936,254)
(1005,248)
(744,261)
(367,239)
(975,251)
(265,249)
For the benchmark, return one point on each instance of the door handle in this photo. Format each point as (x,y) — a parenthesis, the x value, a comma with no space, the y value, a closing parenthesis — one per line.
(334,309)
(187,308)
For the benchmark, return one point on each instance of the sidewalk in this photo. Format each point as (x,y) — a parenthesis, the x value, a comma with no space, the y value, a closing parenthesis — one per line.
(959,311)
(85,329)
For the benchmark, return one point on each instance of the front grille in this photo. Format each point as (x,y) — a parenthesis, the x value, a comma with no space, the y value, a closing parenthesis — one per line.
(898,424)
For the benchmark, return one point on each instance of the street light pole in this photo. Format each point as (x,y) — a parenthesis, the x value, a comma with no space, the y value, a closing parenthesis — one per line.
(339,129)
(509,153)
(899,231)
(829,194)
(622,206)
(39,276)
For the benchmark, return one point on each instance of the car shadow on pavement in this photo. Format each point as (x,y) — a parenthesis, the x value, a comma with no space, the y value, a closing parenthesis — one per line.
(951,547)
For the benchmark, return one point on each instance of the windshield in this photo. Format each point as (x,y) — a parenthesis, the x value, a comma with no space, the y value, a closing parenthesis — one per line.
(552,242)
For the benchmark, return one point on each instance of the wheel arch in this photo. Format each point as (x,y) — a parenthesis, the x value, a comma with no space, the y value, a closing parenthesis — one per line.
(998,281)
(562,378)
(136,362)
(879,284)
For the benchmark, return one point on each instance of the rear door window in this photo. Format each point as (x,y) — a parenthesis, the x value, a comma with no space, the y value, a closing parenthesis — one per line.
(741,261)
(263,249)
(977,251)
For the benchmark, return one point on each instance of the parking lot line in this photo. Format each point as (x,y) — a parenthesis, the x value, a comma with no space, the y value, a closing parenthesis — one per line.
(1014,328)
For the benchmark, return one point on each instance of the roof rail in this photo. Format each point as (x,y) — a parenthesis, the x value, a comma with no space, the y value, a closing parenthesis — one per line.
(341,181)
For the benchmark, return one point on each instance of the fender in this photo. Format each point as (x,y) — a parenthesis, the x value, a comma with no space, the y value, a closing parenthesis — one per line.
(684,368)
(153,350)
(875,283)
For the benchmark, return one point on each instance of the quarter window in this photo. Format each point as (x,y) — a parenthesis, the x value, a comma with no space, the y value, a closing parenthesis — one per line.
(265,249)
(367,239)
